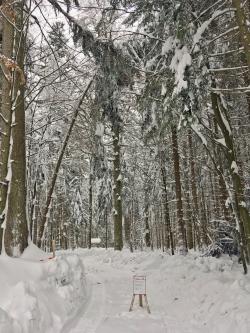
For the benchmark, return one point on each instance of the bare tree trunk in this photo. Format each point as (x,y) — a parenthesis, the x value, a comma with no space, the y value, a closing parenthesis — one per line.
(190,219)
(90,207)
(166,208)
(181,238)
(242,214)
(147,230)
(15,209)
(127,228)
(32,212)
(6,114)
(17,200)
(190,231)
(196,212)
(241,20)
(117,190)
(106,227)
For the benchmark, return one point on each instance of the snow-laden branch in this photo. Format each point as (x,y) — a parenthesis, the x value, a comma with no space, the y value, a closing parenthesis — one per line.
(219,54)
(223,34)
(225,69)
(200,31)
(231,90)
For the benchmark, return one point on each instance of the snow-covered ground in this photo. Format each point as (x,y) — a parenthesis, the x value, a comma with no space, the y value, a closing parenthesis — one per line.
(37,296)
(186,294)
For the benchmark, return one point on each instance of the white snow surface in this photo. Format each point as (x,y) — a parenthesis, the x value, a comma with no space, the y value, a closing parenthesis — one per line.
(234,167)
(186,294)
(180,61)
(36,296)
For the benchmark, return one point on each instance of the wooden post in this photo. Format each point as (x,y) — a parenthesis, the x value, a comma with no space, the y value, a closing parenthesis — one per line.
(147,305)
(140,301)
(132,303)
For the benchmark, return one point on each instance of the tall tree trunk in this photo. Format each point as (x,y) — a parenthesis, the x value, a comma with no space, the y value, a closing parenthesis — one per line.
(166,207)
(32,212)
(6,114)
(117,189)
(16,219)
(17,199)
(181,237)
(241,211)
(127,228)
(190,219)
(196,212)
(146,217)
(241,20)
(106,227)
(90,207)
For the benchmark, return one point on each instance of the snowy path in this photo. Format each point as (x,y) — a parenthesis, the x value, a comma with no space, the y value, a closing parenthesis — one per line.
(186,295)
(106,308)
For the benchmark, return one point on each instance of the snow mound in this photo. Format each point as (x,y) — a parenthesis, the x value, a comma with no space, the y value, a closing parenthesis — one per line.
(39,294)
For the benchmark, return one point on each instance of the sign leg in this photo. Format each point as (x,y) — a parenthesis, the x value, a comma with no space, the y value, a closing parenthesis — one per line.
(147,305)
(132,303)
(140,301)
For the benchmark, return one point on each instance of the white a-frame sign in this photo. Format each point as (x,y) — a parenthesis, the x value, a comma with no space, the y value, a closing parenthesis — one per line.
(140,289)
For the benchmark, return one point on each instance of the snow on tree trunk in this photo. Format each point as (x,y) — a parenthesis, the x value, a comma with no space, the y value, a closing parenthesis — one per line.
(242,214)
(6,115)
(16,215)
(16,229)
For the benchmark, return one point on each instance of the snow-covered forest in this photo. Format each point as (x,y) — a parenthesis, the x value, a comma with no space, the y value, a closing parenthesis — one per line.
(124,125)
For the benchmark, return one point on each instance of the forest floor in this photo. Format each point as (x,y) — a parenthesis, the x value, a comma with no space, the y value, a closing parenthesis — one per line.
(90,291)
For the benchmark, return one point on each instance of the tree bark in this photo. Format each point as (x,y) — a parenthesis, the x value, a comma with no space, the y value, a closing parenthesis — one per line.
(166,208)
(117,189)
(6,114)
(242,214)
(196,212)
(181,238)
(147,230)
(16,219)
(90,208)
(241,20)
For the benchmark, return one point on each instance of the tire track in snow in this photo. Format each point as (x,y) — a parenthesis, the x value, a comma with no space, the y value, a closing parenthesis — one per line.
(91,313)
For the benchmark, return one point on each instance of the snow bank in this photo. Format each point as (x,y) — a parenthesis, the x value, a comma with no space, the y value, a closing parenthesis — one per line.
(38,296)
